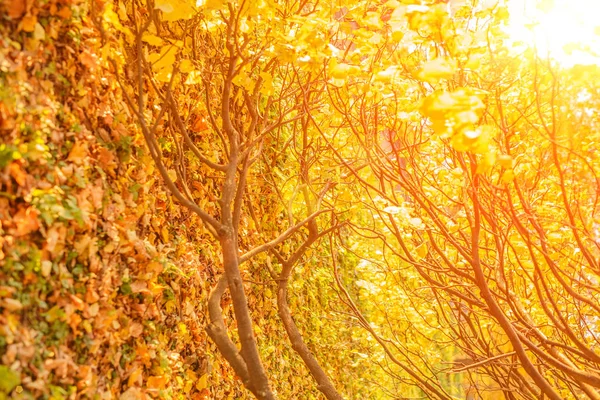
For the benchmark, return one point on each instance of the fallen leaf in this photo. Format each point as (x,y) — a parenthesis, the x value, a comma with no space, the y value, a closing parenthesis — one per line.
(91,296)
(93,310)
(16,8)
(38,32)
(88,60)
(28,23)
(202,382)
(65,13)
(78,152)
(157,382)
(18,174)
(11,304)
(26,221)
(132,393)
(139,287)
(135,375)
(136,329)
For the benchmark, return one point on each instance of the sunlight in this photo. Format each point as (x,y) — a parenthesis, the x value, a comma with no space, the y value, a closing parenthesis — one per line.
(566,30)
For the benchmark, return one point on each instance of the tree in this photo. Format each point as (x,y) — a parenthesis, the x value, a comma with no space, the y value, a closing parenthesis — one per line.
(250,97)
(488,199)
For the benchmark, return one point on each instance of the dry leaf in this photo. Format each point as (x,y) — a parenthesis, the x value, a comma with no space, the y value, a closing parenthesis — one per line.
(78,152)
(15,8)
(18,174)
(11,304)
(136,329)
(28,23)
(132,393)
(26,221)
(157,382)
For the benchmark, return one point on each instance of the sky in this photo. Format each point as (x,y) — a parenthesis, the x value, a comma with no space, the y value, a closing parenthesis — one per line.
(553,25)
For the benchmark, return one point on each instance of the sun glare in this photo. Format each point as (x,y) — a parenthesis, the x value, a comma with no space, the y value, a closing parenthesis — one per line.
(567,31)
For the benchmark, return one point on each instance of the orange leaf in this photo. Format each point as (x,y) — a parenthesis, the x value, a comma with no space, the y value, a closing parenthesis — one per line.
(135,375)
(26,221)
(157,382)
(78,153)
(199,124)
(16,8)
(91,296)
(88,60)
(28,23)
(18,174)
(106,158)
(65,13)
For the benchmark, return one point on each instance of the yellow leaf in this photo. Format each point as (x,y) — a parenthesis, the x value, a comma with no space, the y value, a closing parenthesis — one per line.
(505,161)
(164,75)
(341,71)
(487,162)
(386,75)
(152,39)
(164,59)
(202,382)
(133,378)
(182,328)
(508,176)
(38,32)
(422,251)
(434,70)
(267,86)
(194,78)
(191,375)
(170,306)
(211,4)
(174,10)
(186,66)
(164,6)
(112,18)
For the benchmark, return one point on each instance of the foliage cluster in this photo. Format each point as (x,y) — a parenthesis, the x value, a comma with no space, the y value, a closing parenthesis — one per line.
(293,199)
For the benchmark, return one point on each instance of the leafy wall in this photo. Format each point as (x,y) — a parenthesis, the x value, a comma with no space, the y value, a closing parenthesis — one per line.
(103,279)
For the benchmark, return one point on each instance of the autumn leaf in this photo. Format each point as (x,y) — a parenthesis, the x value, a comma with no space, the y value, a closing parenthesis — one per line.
(78,153)
(437,69)
(202,383)
(89,60)
(11,304)
(16,8)
(174,10)
(186,66)
(135,376)
(505,161)
(25,221)
(18,174)
(133,393)
(65,13)
(157,382)
(421,251)
(152,40)
(28,23)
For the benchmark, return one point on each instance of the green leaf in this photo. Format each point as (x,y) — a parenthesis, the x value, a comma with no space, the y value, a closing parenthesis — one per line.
(9,379)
